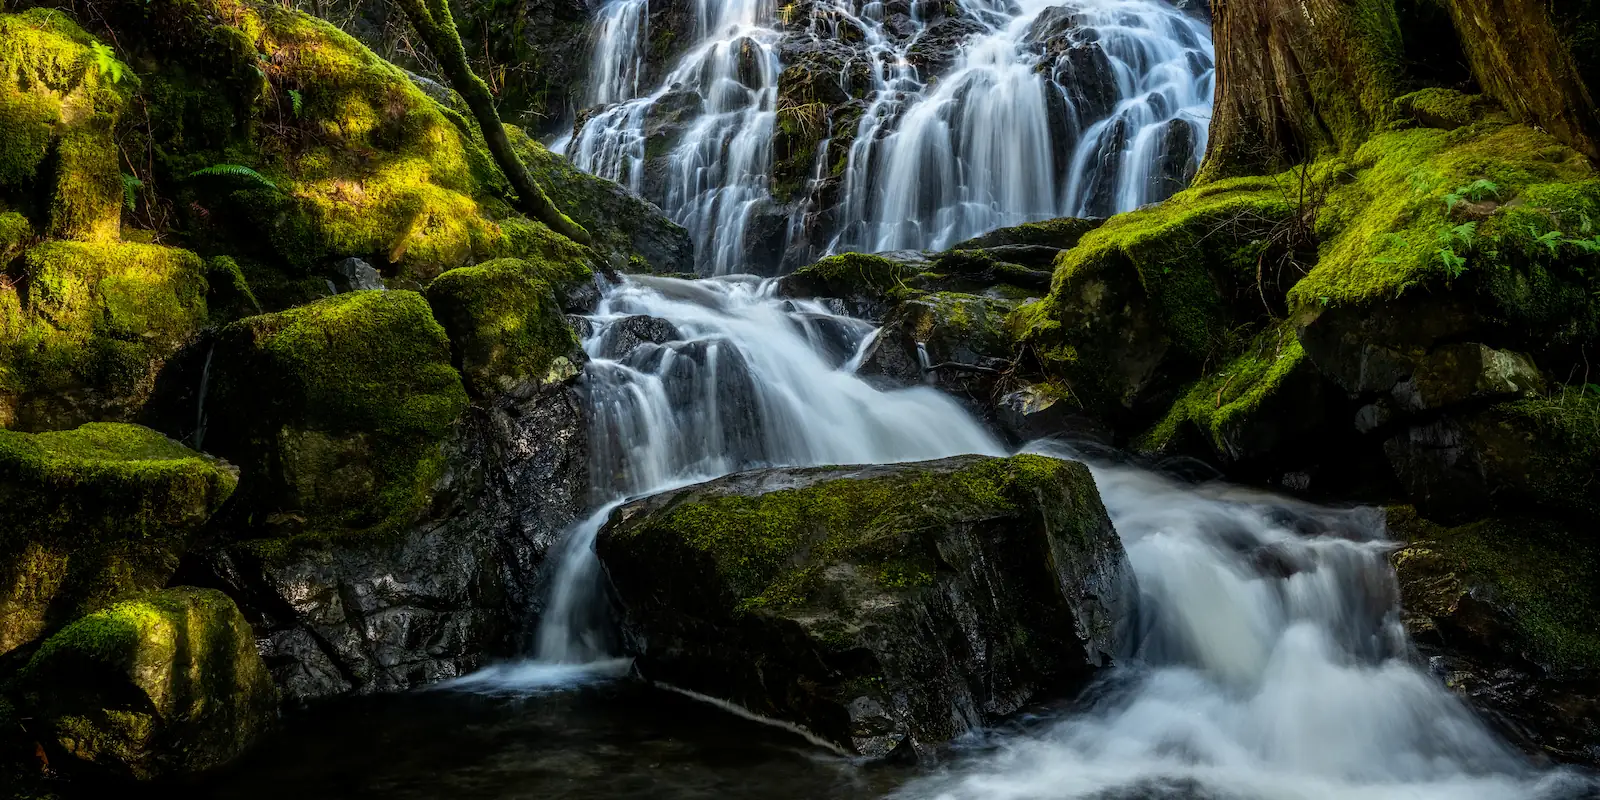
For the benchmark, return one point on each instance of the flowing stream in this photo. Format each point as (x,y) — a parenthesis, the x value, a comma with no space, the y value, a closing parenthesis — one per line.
(1271,660)
(1085,108)
(1270,663)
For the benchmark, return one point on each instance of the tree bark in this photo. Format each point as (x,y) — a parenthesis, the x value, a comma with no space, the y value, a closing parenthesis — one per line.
(1297,79)
(437,28)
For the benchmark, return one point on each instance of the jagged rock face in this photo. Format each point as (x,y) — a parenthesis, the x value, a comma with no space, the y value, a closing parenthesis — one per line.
(883,608)
(375,614)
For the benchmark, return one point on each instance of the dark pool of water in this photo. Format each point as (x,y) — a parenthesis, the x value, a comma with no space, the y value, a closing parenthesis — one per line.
(618,740)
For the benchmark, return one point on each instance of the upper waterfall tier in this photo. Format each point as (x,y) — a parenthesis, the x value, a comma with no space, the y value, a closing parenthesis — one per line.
(780,133)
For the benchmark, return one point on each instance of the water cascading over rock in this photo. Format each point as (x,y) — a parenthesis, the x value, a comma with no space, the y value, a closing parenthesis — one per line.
(782,134)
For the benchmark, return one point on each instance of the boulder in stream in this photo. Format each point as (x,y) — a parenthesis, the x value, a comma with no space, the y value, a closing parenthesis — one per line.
(886,609)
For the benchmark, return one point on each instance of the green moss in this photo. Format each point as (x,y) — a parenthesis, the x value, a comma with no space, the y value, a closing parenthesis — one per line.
(757,542)
(505,326)
(1405,196)
(1562,433)
(612,216)
(56,89)
(1060,233)
(1542,573)
(15,233)
(1216,404)
(337,409)
(89,514)
(1447,109)
(100,317)
(229,296)
(165,683)
(851,275)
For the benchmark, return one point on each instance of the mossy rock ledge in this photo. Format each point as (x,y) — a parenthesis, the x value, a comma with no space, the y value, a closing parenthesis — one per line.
(93,514)
(159,685)
(883,608)
(336,411)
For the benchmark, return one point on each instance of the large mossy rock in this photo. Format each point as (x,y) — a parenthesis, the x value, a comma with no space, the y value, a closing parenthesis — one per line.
(61,96)
(879,607)
(1504,608)
(161,685)
(506,327)
(97,323)
(336,411)
(1145,300)
(91,515)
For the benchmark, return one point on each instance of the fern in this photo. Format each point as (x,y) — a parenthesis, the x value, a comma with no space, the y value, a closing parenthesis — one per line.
(1551,240)
(1454,264)
(238,171)
(295,102)
(105,59)
(1477,191)
(130,191)
(1588,246)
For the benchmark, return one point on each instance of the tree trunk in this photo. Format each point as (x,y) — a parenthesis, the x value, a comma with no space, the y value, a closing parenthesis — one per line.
(433,23)
(1297,79)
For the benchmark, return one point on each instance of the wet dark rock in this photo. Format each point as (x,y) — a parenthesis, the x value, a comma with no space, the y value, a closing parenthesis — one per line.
(341,615)
(624,336)
(939,45)
(664,127)
(355,274)
(835,338)
(1502,609)
(1037,412)
(1537,455)
(962,337)
(992,581)
(1176,160)
(1054,234)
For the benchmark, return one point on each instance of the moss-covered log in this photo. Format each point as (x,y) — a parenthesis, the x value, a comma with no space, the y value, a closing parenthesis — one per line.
(437,28)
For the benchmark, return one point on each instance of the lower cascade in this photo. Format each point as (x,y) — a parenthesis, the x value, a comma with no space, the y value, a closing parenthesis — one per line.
(1266,660)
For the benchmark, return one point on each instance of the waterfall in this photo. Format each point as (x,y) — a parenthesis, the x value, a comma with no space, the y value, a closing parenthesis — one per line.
(691,380)
(1123,86)
(1271,661)
(715,175)
(1273,665)
(1087,108)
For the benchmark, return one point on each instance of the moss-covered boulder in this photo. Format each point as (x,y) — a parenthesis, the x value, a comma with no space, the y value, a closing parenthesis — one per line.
(97,322)
(867,283)
(506,328)
(630,233)
(1269,402)
(962,337)
(1145,300)
(879,607)
(161,685)
(1536,455)
(93,514)
(1506,606)
(61,94)
(1058,234)
(335,411)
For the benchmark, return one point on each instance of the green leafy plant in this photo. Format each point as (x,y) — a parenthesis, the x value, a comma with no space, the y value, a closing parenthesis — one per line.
(105,59)
(295,101)
(1477,191)
(130,191)
(235,171)
(1464,236)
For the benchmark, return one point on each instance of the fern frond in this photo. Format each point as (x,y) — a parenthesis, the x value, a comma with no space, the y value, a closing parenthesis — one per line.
(130,191)
(236,171)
